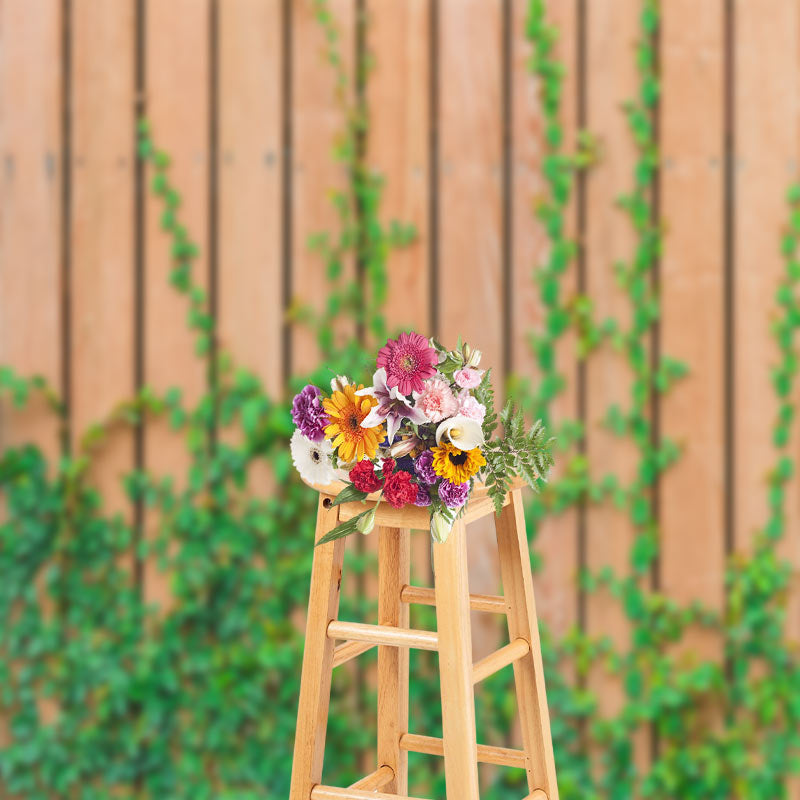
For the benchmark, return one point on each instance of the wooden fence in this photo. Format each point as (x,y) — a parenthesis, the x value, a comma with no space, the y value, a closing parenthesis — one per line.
(238,93)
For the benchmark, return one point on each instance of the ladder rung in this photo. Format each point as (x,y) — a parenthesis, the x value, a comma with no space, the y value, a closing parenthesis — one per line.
(479,602)
(539,794)
(349,650)
(383,634)
(320,792)
(375,780)
(499,659)
(487,754)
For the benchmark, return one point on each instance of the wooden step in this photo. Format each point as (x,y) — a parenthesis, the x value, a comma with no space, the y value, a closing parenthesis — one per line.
(537,795)
(320,792)
(375,780)
(347,651)
(478,602)
(487,754)
(512,652)
(383,634)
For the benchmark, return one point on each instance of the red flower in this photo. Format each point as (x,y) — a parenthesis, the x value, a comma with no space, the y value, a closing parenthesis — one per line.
(364,478)
(388,467)
(400,490)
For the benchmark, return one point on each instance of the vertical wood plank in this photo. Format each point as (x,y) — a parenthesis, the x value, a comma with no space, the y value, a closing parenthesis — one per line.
(455,664)
(394,572)
(398,148)
(315,683)
(102,232)
(177,36)
(250,282)
(317,121)
(767,150)
(30,223)
(31,182)
(612,33)
(692,296)
(397,93)
(512,544)
(470,282)
(557,539)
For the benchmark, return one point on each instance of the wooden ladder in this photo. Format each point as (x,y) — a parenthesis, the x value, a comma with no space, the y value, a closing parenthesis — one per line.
(452,640)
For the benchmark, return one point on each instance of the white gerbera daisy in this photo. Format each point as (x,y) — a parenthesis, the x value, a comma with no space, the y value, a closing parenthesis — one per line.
(312,459)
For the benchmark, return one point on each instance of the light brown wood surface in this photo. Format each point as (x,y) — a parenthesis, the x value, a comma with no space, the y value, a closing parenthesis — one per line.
(611,37)
(177,36)
(692,325)
(455,664)
(31,323)
(470,279)
(767,122)
(250,175)
(557,541)
(317,121)
(512,545)
(394,553)
(315,683)
(101,238)
(398,146)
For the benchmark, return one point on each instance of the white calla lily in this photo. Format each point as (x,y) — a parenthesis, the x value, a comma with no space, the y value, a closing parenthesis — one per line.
(462,432)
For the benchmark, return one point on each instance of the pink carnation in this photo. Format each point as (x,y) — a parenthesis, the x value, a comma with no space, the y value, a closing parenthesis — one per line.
(469,407)
(468,378)
(437,400)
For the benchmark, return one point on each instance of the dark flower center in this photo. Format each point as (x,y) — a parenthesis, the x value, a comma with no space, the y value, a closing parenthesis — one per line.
(458,458)
(353,422)
(316,455)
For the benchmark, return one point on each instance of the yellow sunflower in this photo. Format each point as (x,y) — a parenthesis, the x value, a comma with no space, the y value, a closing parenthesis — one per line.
(346,412)
(457,466)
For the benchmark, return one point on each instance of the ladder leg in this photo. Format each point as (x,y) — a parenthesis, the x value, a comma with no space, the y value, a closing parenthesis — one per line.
(393,573)
(455,666)
(515,569)
(315,682)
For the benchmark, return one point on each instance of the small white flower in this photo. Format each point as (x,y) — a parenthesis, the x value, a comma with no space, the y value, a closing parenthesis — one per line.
(312,459)
(461,431)
(339,382)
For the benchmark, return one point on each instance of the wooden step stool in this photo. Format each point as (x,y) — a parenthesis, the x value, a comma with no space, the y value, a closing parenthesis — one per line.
(452,640)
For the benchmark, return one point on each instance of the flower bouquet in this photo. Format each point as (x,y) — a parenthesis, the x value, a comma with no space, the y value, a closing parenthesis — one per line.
(423,433)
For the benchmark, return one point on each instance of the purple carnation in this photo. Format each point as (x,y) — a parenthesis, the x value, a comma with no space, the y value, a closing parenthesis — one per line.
(423,466)
(308,413)
(454,495)
(423,498)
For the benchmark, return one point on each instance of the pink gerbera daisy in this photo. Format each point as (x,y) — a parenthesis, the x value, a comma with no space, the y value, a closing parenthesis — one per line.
(408,361)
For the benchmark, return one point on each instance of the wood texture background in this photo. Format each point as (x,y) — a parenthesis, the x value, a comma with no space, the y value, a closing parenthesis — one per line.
(238,92)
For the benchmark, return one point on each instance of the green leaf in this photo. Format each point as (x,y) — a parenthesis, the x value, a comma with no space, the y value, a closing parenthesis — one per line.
(348,494)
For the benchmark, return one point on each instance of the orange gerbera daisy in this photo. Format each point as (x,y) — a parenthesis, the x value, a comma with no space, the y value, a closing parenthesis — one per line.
(347,411)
